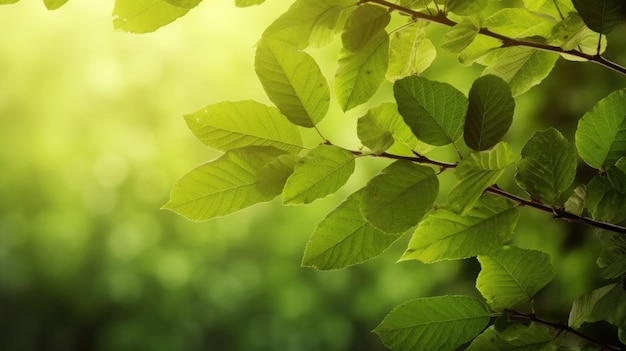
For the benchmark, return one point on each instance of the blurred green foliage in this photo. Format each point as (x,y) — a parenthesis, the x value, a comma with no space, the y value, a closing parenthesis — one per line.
(92,140)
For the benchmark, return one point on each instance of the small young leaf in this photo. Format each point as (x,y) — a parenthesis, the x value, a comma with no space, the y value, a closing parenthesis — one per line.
(601,132)
(360,73)
(54,4)
(604,202)
(512,276)
(293,81)
(144,16)
(521,67)
(519,23)
(607,303)
(476,173)
(398,198)
(575,204)
(224,185)
(433,110)
(345,238)
(601,16)
(516,337)
(247,3)
(230,125)
(363,25)
(547,167)
(459,37)
(322,172)
(445,235)
(433,324)
(410,52)
(489,114)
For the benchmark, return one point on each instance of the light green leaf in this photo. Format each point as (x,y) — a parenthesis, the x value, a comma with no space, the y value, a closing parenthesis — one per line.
(535,5)
(439,323)
(398,198)
(310,22)
(478,48)
(612,259)
(601,16)
(293,81)
(459,37)
(363,25)
(604,202)
(433,110)
(476,173)
(7,2)
(187,4)
(224,185)
(383,126)
(466,7)
(575,204)
(54,4)
(516,337)
(272,177)
(230,125)
(410,52)
(547,167)
(572,34)
(519,23)
(512,276)
(521,67)
(322,172)
(144,16)
(601,132)
(345,238)
(247,3)
(360,74)
(445,235)
(607,303)
(490,112)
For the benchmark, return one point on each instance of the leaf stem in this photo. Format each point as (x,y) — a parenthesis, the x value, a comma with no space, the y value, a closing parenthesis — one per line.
(442,19)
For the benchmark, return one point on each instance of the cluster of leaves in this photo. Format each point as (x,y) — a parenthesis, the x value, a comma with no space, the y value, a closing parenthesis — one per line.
(265,156)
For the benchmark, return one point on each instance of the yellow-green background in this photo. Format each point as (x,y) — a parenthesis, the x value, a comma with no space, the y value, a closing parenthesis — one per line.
(91,140)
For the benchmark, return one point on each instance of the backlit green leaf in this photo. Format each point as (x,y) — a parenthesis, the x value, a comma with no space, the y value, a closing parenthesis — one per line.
(604,201)
(247,3)
(478,48)
(322,172)
(601,16)
(272,177)
(476,173)
(224,185)
(345,238)
(433,110)
(466,7)
(521,67)
(607,303)
(54,4)
(398,198)
(360,73)
(572,34)
(512,276)
(601,132)
(547,167)
(445,235)
(516,337)
(188,4)
(410,52)
(433,324)
(363,25)
(575,204)
(230,125)
(459,37)
(293,81)
(519,23)
(490,112)
(144,16)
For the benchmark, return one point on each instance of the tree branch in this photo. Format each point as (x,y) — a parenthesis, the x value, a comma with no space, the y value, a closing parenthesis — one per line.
(506,41)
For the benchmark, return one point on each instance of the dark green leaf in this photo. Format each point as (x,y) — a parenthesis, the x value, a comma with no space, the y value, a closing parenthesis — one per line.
(604,202)
(363,25)
(601,16)
(271,178)
(489,114)
(433,324)
(516,337)
(607,303)
(466,7)
(613,256)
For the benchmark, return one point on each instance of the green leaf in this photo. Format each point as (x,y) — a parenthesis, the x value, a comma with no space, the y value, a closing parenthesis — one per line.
(272,177)
(360,74)
(445,235)
(410,52)
(604,202)
(310,22)
(345,238)
(601,16)
(383,126)
(247,3)
(459,37)
(572,34)
(322,172)
(547,167)
(7,2)
(617,177)
(224,185)
(516,337)
(478,48)
(521,67)
(466,7)
(607,303)
(512,276)
(519,23)
(144,16)
(433,324)
(575,204)
(476,173)
(363,25)
(54,4)
(187,4)
(398,198)
(489,114)
(601,132)
(613,256)
(230,125)
(293,81)
(433,110)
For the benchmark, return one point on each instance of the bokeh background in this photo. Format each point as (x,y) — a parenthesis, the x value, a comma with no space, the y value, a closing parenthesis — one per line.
(92,138)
